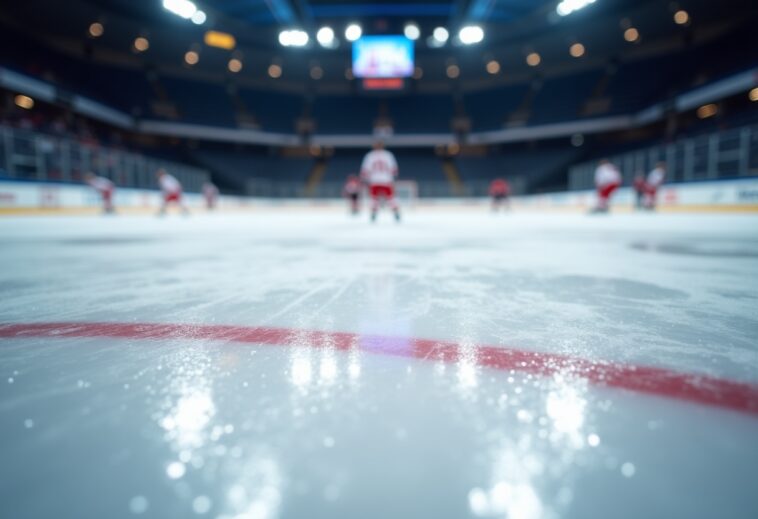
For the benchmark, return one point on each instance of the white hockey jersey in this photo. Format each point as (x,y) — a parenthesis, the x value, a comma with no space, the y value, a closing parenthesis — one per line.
(379,168)
(607,174)
(101,184)
(655,177)
(169,184)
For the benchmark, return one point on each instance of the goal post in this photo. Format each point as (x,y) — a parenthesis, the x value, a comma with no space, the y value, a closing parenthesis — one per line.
(406,192)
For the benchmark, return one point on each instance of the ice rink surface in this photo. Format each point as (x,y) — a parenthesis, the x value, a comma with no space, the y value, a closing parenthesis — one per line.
(104,414)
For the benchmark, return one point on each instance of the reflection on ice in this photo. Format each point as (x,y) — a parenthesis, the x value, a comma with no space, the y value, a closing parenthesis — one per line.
(257,494)
(187,419)
(536,459)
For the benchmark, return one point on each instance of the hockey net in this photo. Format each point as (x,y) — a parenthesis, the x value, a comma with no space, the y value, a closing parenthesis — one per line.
(406,192)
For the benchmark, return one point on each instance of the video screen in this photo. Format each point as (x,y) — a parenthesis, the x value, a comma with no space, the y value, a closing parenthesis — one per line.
(383,57)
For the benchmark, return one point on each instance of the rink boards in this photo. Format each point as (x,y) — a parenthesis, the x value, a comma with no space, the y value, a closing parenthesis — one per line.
(723,195)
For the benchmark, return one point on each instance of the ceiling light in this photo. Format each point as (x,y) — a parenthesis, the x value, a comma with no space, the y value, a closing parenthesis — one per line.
(96,30)
(411,31)
(353,32)
(471,34)
(325,36)
(199,18)
(293,38)
(182,8)
(577,50)
(566,7)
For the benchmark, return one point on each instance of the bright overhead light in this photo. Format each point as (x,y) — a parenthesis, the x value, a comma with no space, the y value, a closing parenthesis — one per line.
(533,59)
(631,35)
(576,50)
(235,65)
(753,94)
(353,32)
(325,36)
(25,102)
(274,71)
(199,18)
(141,44)
(493,67)
(191,57)
(96,30)
(471,34)
(681,17)
(183,8)
(293,38)
(411,31)
(566,7)
(220,40)
(440,34)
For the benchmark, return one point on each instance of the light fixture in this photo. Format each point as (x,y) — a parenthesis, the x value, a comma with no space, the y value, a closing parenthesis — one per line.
(325,36)
(411,31)
(199,18)
(631,35)
(577,50)
(275,71)
(706,111)
(220,40)
(753,94)
(566,7)
(183,8)
(441,35)
(96,30)
(493,67)
(453,71)
(681,17)
(25,102)
(293,38)
(471,34)
(533,59)
(191,57)
(235,65)
(353,32)
(141,44)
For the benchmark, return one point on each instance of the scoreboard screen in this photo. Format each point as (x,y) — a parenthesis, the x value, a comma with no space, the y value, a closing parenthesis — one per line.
(377,57)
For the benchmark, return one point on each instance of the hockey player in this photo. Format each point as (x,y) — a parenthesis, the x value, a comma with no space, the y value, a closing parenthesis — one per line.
(105,188)
(352,191)
(500,190)
(172,191)
(654,181)
(639,189)
(379,170)
(607,180)
(210,193)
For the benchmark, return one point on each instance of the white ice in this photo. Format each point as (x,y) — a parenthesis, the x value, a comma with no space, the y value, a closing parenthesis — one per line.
(95,427)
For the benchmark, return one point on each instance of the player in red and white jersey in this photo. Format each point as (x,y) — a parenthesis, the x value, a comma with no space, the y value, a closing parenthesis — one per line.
(172,191)
(104,187)
(500,190)
(210,193)
(352,191)
(379,170)
(654,180)
(607,180)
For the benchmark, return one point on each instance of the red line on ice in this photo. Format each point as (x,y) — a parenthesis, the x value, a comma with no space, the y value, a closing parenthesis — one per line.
(700,389)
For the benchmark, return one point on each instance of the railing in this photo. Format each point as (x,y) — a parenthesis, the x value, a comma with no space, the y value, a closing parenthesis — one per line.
(728,154)
(32,155)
